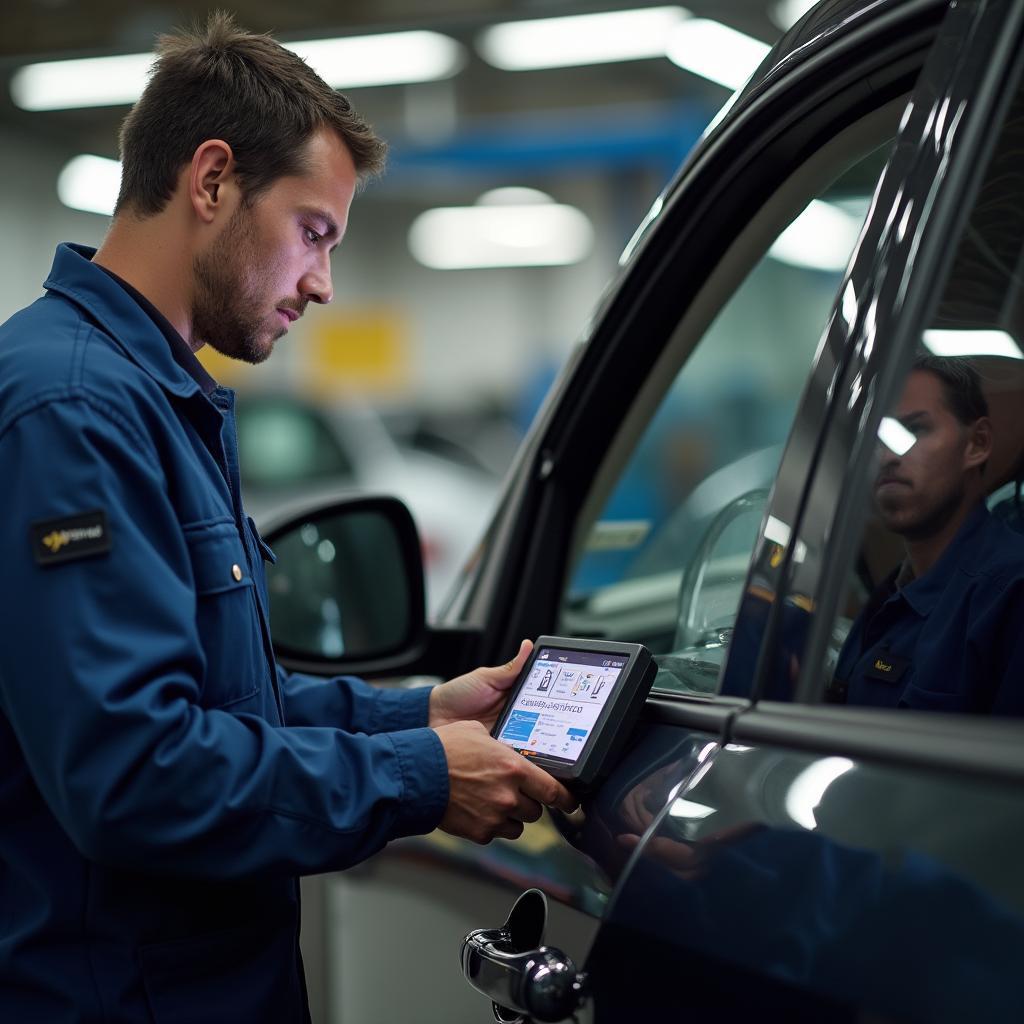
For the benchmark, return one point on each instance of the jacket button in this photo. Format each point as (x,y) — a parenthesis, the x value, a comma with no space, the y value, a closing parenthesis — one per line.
(237,573)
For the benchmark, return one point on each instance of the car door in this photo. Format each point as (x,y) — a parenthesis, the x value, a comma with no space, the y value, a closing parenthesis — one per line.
(836,862)
(715,291)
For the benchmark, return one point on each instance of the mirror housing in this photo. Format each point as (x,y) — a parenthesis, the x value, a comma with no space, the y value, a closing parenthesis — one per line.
(346,593)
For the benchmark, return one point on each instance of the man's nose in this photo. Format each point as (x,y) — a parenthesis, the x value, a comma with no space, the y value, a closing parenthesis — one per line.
(316,285)
(889,458)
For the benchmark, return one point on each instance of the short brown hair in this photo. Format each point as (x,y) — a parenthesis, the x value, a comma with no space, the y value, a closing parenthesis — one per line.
(222,82)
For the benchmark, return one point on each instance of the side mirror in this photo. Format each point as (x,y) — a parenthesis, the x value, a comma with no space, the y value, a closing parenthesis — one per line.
(347,588)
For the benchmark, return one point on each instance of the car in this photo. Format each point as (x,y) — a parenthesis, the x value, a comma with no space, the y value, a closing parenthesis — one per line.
(700,481)
(294,450)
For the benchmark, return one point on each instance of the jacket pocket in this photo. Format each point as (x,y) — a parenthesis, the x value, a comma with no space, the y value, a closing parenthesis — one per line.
(226,617)
(235,976)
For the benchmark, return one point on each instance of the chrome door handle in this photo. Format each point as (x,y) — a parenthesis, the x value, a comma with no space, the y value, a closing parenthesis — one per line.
(522,983)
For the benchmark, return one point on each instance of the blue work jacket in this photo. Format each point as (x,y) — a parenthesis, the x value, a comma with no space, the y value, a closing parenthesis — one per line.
(950,640)
(162,780)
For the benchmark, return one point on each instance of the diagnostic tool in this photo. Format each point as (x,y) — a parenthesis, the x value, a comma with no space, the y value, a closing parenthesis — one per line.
(574,705)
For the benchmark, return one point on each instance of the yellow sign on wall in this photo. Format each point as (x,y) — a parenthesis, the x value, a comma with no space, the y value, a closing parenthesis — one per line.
(356,349)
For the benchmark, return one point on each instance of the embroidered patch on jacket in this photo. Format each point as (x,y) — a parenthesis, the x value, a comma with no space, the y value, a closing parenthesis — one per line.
(887,667)
(70,537)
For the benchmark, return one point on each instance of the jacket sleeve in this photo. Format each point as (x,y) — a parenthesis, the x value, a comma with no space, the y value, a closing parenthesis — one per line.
(348,703)
(102,686)
(1005,646)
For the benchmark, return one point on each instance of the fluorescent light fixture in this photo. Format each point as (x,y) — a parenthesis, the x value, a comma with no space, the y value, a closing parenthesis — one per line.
(786,13)
(715,51)
(580,39)
(498,233)
(777,531)
(972,343)
(392,58)
(86,82)
(690,809)
(821,238)
(514,195)
(895,436)
(808,788)
(90,183)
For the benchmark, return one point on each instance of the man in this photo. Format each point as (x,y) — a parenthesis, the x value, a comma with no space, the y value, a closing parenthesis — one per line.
(944,631)
(162,781)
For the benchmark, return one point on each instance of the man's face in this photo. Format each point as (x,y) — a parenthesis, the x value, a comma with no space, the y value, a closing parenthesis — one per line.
(918,493)
(273,257)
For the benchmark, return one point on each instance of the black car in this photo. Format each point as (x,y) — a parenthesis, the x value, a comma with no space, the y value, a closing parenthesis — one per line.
(701,480)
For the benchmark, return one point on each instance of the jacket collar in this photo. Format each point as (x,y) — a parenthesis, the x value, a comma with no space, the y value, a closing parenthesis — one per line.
(132,329)
(922,593)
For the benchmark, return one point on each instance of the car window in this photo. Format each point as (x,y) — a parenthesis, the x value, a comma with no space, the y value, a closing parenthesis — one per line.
(932,618)
(282,443)
(665,551)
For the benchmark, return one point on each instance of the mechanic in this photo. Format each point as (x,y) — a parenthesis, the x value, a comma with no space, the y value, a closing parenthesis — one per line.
(162,780)
(943,632)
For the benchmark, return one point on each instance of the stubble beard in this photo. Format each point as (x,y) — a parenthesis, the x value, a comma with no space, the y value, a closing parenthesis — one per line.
(926,522)
(224,306)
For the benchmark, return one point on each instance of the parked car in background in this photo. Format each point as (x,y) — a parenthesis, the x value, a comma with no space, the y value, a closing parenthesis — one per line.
(701,481)
(292,450)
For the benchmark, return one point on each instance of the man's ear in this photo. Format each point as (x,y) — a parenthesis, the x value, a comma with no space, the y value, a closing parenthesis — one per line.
(212,166)
(979,443)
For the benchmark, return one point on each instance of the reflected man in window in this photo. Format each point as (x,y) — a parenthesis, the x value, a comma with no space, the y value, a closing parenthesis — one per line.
(945,630)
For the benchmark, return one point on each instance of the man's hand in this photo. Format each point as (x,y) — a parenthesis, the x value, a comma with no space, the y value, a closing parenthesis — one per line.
(477,696)
(493,790)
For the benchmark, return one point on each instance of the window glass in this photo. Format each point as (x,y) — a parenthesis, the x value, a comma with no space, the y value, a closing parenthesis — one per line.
(933,617)
(665,561)
(282,443)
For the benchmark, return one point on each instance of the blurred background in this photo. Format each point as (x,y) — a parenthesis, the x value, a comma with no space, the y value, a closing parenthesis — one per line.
(528,140)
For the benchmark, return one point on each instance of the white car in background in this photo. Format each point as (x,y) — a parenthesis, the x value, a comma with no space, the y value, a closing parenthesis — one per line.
(293,450)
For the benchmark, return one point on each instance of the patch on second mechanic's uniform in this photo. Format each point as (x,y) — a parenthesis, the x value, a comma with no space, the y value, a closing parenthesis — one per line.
(69,537)
(887,667)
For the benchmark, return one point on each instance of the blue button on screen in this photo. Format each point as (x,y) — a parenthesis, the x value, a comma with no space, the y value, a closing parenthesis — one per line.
(519,725)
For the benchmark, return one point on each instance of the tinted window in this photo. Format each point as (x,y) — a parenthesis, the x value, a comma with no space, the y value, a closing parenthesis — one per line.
(933,614)
(665,559)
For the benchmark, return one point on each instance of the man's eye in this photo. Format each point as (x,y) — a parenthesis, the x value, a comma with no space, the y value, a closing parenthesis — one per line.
(312,236)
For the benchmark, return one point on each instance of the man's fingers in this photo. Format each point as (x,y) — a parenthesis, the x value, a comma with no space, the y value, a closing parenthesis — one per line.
(516,663)
(547,790)
(510,830)
(528,810)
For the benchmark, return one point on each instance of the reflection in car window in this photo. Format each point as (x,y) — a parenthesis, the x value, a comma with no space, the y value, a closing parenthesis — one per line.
(665,561)
(934,614)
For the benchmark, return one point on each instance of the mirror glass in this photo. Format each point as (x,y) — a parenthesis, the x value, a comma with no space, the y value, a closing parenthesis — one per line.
(340,587)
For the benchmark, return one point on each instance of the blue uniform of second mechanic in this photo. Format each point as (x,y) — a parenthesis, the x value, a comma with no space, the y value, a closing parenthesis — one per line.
(950,640)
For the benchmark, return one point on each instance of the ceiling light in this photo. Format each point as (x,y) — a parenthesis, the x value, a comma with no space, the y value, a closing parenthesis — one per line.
(514,195)
(388,59)
(895,436)
(579,39)
(393,58)
(808,789)
(501,234)
(821,238)
(972,343)
(690,809)
(715,51)
(90,183)
(786,13)
(87,82)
